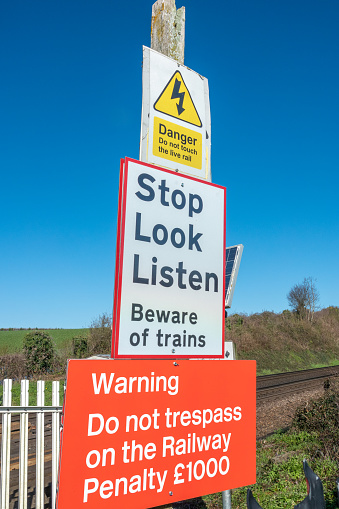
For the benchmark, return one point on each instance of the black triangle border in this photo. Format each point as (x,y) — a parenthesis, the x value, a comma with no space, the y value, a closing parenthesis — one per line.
(169,81)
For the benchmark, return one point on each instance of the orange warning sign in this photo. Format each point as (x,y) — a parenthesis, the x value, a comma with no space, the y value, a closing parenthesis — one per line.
(139,434)
(176,101)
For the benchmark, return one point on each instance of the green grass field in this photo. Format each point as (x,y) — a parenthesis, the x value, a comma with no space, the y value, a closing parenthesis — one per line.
(11,341)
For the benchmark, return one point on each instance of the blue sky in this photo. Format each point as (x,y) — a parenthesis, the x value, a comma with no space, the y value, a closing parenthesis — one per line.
(70,108)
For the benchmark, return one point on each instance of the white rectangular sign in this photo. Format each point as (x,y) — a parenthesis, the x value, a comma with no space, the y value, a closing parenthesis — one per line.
(170,271)
(176,121)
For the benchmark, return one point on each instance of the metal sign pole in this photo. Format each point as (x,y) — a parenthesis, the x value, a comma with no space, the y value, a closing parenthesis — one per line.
(226,499)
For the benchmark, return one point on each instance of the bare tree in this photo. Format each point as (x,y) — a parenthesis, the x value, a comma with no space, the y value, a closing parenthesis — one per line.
(312,297)
(297,299)
(303,298)
(100,335)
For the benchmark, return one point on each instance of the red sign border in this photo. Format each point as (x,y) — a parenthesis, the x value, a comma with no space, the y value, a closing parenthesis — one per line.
(119,263)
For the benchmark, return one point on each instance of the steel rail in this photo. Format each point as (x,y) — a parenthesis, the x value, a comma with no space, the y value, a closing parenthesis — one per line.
(281,384)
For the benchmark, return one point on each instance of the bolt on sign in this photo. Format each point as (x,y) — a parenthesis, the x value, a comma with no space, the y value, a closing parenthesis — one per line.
(176,122)
(170,265)
(144,438)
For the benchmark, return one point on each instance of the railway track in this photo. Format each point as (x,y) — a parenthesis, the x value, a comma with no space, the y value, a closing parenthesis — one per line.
(15,446)
(269,387)
(272,387)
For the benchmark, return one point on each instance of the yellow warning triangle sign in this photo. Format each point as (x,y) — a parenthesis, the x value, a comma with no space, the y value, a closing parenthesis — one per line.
(176,101)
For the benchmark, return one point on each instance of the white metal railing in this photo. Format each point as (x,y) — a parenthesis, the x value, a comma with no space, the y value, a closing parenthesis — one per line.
(24,410)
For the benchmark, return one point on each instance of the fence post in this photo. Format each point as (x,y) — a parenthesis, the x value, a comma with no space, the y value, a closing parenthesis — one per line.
(55,441)
(40,420)
(23,454)
(6,445)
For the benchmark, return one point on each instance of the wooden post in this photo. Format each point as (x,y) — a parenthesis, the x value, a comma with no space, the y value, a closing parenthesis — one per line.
(168,29)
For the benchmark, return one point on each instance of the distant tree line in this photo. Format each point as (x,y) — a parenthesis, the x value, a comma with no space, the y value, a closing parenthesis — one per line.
(30,328)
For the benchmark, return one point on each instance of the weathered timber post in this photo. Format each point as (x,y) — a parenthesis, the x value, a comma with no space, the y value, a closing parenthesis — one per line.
(168,29)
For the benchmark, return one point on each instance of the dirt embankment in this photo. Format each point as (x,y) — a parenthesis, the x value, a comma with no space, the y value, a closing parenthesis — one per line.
(282,342)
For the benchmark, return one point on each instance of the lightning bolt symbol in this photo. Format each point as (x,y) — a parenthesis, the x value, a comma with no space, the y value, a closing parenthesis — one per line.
(178,95)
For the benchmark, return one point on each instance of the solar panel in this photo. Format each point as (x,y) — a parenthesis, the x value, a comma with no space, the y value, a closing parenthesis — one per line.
(233,258)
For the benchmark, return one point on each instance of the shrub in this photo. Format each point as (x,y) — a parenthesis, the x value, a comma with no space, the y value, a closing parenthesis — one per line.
(100,335)
(39,352)
(333,312)
(80,346)
(238,320)
(287,313)
(321,416)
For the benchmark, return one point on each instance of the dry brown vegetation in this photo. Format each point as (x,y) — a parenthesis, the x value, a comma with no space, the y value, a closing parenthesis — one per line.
(284,342)
(278,342)
(13,365)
